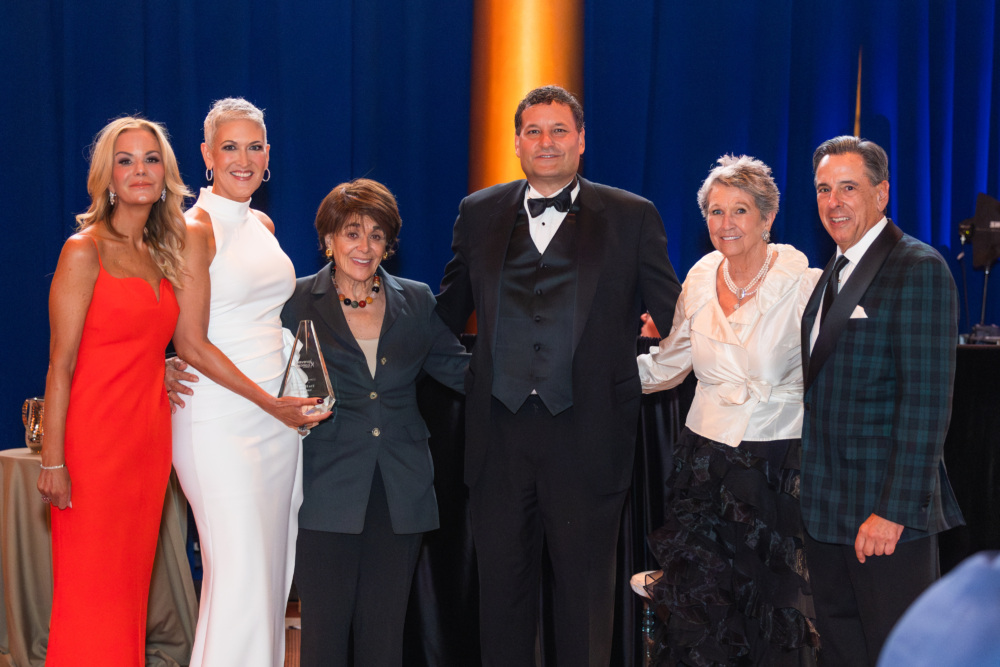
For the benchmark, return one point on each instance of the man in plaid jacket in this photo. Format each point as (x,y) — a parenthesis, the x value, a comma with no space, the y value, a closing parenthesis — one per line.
(878,346)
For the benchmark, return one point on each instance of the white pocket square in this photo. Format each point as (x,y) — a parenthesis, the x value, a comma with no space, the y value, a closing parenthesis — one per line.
(859,313)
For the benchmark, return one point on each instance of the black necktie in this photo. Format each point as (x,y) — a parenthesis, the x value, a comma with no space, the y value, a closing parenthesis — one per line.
(831,293)
(561,201)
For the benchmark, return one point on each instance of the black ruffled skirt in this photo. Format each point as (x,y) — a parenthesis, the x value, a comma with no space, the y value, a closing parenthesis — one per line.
(734,588)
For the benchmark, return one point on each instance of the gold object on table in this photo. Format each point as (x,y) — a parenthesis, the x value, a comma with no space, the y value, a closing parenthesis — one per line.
(31,414)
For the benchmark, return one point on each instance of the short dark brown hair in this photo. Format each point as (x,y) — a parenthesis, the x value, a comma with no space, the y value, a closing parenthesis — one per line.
(360,198)
(548,95)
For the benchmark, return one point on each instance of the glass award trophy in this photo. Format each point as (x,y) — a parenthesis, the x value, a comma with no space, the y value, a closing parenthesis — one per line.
(306,376)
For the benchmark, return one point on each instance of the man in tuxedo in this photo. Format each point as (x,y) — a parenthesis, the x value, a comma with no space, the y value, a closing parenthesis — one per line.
(556,269)
(878,345)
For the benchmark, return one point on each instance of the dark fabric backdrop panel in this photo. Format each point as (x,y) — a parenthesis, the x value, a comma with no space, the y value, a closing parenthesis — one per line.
(349,88)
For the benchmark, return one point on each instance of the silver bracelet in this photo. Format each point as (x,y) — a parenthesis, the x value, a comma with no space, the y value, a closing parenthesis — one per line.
(61,465)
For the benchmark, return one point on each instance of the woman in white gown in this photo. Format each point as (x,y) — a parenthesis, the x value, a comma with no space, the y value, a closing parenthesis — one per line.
(236,449)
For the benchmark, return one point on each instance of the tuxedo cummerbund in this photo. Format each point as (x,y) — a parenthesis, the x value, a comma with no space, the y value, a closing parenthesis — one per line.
(535,328)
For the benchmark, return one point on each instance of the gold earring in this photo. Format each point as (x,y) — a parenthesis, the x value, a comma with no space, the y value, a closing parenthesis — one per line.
(329,253)
(385,255)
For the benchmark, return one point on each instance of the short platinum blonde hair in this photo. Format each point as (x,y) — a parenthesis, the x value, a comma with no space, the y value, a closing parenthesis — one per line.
(746,173)
(231,108)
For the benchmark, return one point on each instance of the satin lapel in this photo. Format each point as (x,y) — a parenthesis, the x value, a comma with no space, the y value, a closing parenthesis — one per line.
(591,226)
(840,312)
(498,231)
(330,310)
(809,317)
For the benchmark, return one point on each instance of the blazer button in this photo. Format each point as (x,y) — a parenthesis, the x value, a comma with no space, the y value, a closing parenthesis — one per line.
(538,292)
(373,395)
(376,432)
(383,361)
(537,347)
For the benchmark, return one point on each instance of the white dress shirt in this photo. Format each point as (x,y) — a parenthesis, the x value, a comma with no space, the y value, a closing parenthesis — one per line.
(853,255)
(545,226)
(749,366)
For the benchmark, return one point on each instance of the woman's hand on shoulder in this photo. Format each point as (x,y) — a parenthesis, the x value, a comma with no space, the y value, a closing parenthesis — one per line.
(55,485)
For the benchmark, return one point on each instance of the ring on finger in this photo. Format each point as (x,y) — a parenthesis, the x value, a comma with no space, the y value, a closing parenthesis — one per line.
(46,499)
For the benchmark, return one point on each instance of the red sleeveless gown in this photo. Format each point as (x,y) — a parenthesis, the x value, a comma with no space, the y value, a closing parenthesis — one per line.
(118,457)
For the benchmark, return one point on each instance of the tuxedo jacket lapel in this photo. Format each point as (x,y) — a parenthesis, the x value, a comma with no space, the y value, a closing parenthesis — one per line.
(848,298)
(498,231)
(590,230)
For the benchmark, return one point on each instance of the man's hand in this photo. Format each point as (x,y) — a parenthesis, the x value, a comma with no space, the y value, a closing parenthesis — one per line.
(172,381)
(877,537)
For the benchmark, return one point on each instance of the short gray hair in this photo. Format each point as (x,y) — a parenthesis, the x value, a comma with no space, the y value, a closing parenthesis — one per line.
(746,173)
(231,108)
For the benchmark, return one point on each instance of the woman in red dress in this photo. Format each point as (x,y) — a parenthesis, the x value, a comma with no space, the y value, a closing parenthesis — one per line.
(106,453)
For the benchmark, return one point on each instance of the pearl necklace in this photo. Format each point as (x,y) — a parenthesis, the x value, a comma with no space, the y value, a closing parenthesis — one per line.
(376,287)
(745,291)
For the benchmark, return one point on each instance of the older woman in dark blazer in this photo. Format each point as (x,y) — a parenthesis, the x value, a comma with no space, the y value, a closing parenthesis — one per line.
(368,475)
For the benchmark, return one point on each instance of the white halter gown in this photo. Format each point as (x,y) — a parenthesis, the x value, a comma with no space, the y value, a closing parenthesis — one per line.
(240,468)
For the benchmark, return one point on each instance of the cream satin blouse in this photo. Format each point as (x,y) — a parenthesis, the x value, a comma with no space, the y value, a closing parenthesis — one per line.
(749,366)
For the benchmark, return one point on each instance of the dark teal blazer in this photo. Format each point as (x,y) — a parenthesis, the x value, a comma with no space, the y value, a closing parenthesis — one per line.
(878,395)
(375,420)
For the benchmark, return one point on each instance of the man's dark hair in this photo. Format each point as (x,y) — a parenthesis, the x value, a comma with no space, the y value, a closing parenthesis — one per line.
(548,95)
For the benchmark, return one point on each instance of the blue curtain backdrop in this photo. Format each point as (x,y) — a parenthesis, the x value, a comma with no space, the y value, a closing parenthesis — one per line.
(671,86)
(349,88)
(381,88)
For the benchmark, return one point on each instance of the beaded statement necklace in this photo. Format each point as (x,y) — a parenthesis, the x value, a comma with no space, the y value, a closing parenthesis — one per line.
(751,287)
(376,288)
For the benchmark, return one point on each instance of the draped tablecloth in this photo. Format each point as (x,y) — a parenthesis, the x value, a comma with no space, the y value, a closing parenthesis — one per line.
(26,572)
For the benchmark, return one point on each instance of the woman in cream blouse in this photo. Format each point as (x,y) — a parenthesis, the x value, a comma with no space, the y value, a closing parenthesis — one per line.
(734,586)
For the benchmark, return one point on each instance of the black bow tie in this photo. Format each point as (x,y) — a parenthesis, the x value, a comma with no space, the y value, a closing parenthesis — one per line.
(561,201)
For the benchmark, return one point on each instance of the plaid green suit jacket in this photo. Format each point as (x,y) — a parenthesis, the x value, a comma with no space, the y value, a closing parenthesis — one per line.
(878,390)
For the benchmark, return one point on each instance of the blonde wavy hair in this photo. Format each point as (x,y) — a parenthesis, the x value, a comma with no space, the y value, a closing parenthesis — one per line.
(164,231)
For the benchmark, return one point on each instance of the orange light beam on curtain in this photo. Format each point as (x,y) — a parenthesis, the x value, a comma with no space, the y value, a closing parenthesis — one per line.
(857,103)
(517,45)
